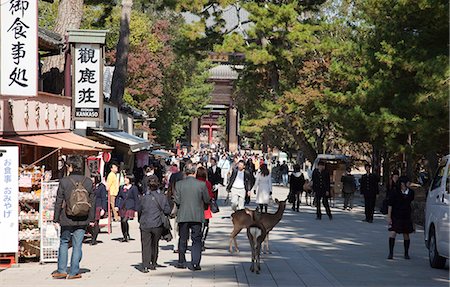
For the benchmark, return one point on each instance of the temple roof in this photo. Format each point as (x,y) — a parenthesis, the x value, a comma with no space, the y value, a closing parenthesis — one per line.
(224,72)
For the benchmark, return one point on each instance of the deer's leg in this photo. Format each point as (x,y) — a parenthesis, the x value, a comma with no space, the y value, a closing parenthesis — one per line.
(258,258)
(233,235)
(265,245)
(236,245)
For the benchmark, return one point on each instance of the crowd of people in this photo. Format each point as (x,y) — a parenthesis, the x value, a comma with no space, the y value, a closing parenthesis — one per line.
(172,198)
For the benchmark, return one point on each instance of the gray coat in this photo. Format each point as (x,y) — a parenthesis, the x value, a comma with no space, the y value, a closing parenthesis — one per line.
(64,190)
(191,198)
(149,209)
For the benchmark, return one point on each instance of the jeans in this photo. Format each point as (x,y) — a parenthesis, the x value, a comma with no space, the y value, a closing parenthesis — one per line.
(348,200)
(196,236)
(76,234)
(285,179)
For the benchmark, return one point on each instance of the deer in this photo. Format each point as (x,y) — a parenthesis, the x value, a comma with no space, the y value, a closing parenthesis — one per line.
(245,217)
(256,233)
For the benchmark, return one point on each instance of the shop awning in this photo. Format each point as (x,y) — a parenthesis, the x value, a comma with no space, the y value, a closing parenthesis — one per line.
(135,143)
(76,139)
(48,141)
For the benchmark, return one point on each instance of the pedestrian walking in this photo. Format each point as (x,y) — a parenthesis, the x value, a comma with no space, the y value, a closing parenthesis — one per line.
(151,205)
(321,187)
(74,210)
(250,168)
(263,188)
(202,175)
(296,184)
(171,192)
(369,188)
(224,165)
(348,189)
(399,216)
(101,206)
(126,204)
(112,186)
(284,170)
(215,177)
(191,197)
(240,184)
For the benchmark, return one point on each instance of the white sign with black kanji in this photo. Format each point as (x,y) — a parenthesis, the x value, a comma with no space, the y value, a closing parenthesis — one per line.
(86,78)
(19,50)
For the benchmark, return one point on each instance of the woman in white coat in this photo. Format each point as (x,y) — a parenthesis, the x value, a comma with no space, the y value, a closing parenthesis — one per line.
(263,187)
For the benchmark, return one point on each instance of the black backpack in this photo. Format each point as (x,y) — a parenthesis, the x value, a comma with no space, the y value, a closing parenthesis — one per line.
(79,202)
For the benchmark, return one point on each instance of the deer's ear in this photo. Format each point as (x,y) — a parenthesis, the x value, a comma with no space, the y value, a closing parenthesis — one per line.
(277,201)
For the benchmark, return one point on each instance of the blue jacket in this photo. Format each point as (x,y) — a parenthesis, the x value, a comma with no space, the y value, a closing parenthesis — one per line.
(129,199)
(101,196)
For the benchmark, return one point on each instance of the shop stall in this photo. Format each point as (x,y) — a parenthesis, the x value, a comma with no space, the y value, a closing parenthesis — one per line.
(37,187)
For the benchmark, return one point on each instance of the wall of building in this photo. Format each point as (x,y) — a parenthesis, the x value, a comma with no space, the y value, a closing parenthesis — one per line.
(32,115)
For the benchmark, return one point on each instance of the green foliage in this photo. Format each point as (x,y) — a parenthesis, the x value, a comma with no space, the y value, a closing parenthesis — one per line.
(186,93)
(47,14)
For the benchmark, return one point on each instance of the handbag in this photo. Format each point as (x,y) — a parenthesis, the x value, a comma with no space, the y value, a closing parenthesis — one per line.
(166,234)
(214,206)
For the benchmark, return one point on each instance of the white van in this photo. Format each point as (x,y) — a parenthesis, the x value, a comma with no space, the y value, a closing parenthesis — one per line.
(437,221)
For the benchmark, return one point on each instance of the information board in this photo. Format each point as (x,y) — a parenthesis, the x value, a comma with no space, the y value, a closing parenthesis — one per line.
(49,230)
(9,199)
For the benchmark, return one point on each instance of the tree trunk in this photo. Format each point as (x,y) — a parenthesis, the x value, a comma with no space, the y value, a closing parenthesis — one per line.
(386,168)
(70,14)
(120,71)
(376,160)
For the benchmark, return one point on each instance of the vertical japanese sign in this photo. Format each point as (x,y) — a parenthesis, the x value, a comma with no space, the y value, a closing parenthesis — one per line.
(19,51)
(9,198)
(86,77)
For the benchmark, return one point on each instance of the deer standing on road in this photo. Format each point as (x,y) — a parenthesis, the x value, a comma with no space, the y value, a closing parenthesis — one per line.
(244,218)
(256,233)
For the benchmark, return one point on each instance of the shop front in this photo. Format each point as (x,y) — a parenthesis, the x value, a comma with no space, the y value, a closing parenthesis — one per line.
(40,166)
(130,150)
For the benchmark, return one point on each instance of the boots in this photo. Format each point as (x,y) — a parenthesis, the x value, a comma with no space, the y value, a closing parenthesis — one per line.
(406,245)
(298,206)
(391,248)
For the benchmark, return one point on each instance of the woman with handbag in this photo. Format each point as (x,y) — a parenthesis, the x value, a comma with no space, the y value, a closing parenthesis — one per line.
(152,207)
(126,204)
(202,175)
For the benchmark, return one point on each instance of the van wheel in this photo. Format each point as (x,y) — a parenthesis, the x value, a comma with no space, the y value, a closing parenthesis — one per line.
(436,261)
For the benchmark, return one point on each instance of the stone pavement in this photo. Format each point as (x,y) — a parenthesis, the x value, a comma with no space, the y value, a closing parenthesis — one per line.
(305,252)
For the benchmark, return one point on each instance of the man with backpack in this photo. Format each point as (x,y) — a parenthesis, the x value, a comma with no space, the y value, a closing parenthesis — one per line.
(74,211)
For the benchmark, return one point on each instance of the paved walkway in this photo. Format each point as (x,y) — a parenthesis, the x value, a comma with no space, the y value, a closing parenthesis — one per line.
(306,252)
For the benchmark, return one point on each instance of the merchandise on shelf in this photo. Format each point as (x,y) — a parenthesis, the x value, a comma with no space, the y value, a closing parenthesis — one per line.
(30,178)
(29,234)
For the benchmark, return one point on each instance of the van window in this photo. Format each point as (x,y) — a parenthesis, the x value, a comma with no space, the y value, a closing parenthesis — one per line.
(438,178)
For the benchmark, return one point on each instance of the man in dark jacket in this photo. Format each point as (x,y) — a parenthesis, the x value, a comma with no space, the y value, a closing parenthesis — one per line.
(369,188)
(215,176)
(240,184)
(191,197)
(73,228)
(321,187)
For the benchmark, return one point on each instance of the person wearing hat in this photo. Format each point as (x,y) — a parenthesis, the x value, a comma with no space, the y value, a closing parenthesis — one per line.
(150,206)
(399,216)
